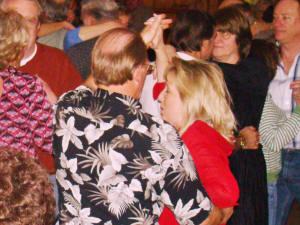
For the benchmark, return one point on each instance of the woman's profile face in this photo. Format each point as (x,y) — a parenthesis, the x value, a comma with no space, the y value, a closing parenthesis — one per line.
(171,106)
(225,48)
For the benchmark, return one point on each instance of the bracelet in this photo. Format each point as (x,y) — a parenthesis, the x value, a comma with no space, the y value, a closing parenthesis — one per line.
(240,141)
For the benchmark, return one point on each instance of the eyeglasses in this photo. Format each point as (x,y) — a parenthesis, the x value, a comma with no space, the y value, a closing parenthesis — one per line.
(224,34)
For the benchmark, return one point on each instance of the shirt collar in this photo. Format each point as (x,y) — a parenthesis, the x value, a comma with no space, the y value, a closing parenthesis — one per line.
(24,61)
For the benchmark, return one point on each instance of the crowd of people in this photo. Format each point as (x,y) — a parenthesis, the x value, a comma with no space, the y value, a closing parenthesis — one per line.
(113,114)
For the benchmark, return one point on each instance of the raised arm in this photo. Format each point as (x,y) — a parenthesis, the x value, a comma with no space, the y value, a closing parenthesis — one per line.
(164,53)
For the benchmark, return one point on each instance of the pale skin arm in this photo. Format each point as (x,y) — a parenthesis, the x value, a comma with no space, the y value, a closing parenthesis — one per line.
(89,32)
(215,217)
(49,28)
(227,212)
(159,23)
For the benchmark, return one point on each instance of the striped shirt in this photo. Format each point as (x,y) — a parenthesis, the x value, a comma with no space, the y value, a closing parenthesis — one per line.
(276,130)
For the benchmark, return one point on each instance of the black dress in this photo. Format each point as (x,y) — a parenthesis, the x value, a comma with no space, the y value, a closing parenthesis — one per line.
(247,83)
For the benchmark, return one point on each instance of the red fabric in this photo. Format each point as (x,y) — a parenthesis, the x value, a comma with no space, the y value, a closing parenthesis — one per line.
(158,88)
(26,115)
(210,153)
(56,69)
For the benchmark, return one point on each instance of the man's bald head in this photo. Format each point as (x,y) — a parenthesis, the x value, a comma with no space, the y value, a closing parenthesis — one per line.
(116,55)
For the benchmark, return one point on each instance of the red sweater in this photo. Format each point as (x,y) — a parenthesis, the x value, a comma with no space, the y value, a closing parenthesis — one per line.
(210,153)
(56,69)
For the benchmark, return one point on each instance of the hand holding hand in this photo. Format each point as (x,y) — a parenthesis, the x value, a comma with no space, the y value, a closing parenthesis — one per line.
(67,25)
(154,29)
(251,137)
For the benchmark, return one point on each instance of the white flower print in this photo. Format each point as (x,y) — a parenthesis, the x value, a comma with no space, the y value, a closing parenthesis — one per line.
(81,217)
(142,216)
(184,213)
(108,223)
(93,133)
(165,198)
(117,159)
(109,176)
(188,165)
(120,198)
(69,133)
(60,176)
(137,126)
(205,203)
(135,185)
(72,166)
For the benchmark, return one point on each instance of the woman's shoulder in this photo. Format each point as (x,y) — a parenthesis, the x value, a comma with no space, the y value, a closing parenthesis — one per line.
(201,134)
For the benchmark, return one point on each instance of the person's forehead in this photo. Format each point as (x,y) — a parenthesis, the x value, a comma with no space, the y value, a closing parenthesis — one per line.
(27,9)
(287,6)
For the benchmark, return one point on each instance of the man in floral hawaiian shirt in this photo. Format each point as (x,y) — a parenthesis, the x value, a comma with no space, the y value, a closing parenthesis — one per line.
(115,163)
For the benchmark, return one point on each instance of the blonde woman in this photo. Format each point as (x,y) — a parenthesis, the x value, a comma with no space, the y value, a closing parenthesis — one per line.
(196,102)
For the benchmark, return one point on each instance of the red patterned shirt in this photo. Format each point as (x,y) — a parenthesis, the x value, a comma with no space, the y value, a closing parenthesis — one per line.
(25,113)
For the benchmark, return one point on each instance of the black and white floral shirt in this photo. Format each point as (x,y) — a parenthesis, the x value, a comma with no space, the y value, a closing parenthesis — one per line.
(118,165)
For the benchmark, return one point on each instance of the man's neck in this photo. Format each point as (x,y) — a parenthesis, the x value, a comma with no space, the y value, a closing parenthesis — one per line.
(288,53)
(120,89)
(290,50)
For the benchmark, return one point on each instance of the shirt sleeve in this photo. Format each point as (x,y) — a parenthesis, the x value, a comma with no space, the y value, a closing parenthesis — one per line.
(183,192)
(72,38)
(216,177)
(41,119)
(275,135)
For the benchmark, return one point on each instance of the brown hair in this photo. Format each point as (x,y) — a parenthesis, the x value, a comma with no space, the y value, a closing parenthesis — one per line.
(268,52)
(13,37)
(190,28)
(231,19)
(115,56)
(26,195)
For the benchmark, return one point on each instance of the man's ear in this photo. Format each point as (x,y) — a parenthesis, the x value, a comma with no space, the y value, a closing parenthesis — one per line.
(138,74)
(38,26)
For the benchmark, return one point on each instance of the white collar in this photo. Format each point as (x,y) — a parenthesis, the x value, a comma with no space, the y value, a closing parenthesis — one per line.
(26,60)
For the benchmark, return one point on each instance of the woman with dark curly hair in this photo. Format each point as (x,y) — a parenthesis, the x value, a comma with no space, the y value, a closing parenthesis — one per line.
(26,195)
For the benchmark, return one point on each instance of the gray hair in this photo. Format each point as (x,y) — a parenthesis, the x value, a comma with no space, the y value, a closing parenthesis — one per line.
(100,9)
(55,12)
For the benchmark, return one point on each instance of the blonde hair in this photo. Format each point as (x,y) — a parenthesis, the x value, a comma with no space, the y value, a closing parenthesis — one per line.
(13,37)
(116,54)
(204,95)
